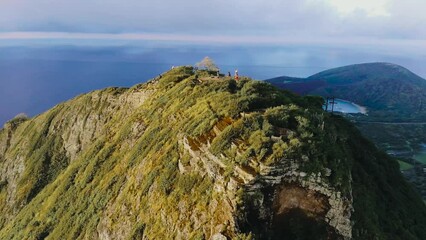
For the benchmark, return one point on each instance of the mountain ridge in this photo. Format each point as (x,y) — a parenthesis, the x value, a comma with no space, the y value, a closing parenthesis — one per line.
(189,156)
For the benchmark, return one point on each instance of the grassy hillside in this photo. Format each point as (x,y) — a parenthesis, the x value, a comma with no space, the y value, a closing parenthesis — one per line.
(192,157)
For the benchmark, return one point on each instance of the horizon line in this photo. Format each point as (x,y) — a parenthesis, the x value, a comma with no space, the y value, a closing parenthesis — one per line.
(213,39)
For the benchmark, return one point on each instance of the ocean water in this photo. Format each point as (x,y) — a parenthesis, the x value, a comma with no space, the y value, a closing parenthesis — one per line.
(32,86)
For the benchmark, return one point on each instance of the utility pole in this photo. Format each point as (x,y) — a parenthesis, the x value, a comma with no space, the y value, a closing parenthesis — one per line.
(330,100)
(326,104)
(332,103)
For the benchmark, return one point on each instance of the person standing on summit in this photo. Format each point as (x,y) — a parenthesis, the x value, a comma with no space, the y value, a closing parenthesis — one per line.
(236,77)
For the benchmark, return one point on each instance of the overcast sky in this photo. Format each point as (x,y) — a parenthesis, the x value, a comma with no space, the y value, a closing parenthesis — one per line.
(367,23)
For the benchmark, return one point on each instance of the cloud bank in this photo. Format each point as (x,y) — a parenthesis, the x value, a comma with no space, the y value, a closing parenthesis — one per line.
(306,18)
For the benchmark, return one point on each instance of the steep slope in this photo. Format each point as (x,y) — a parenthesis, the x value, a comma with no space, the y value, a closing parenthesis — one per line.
(388,90)
(189,157)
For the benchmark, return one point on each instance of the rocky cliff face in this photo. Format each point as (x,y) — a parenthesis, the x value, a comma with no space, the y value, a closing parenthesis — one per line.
(190,157)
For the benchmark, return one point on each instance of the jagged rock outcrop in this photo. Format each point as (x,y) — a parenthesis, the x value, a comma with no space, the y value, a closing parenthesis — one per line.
(276,191)
(186,156)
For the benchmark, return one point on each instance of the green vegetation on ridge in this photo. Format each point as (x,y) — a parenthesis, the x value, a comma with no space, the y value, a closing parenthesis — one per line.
(112,163)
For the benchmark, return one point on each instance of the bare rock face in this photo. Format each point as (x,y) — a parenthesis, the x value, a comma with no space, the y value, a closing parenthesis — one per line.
(283,196)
